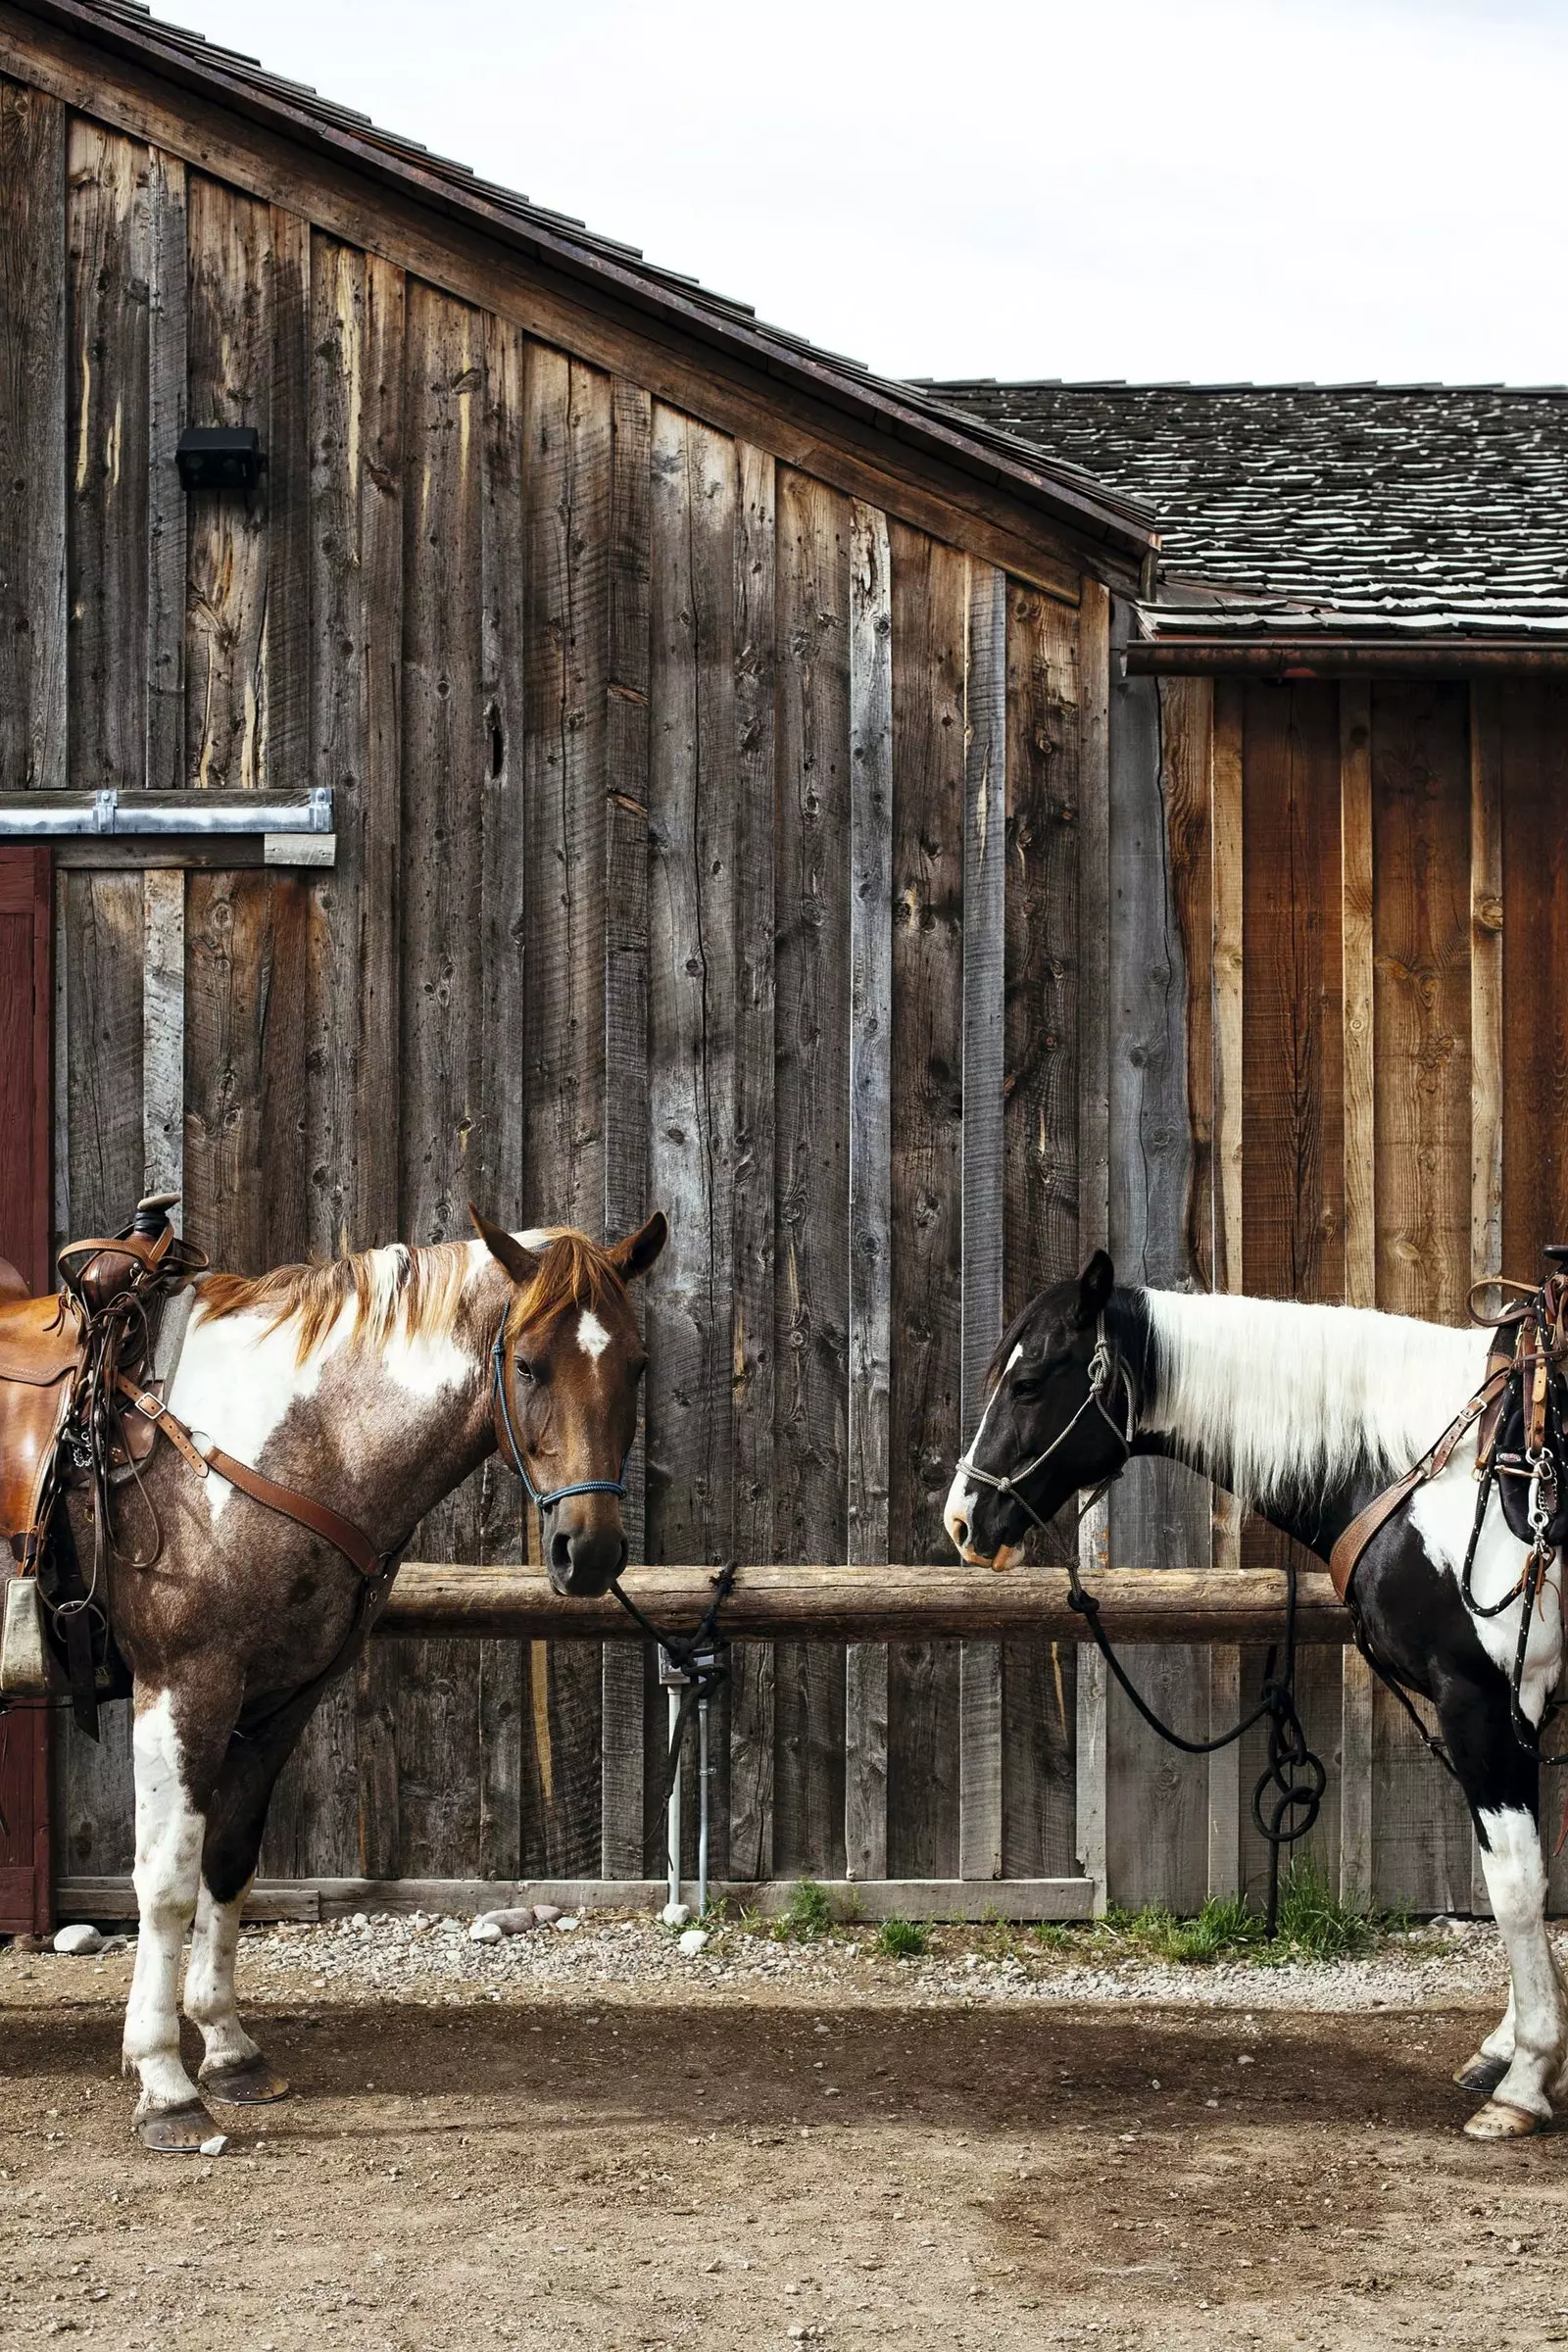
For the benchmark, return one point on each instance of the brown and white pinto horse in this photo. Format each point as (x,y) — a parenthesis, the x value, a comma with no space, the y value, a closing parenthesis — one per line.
(368,1383)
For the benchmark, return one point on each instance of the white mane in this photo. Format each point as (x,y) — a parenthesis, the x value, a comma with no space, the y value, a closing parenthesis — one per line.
(1281,1403)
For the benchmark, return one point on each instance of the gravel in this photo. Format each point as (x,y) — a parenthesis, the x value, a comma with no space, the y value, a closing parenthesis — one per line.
(599,1955)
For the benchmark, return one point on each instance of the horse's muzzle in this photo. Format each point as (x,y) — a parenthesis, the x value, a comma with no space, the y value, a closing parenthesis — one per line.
(584,1561)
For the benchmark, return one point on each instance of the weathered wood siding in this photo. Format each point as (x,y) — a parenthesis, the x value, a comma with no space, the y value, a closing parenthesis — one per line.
(705,836)
(712,836)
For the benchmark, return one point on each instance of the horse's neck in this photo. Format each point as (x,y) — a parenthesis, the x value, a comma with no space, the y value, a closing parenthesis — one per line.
(1303,1412)
(383,1434)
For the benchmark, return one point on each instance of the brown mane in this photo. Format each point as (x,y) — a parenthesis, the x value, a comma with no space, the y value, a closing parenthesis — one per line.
(414,1291)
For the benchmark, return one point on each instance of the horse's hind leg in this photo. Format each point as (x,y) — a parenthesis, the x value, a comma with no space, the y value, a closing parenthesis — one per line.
(1485,2069)
(1502,1787)
(170,2115)
(233,2071)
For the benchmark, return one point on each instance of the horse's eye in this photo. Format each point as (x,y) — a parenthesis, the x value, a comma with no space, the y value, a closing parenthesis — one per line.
(526,1371)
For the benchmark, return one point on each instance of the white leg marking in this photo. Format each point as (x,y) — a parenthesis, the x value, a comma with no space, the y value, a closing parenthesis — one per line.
(209,1982)
(1500,2041)
(1516,1881)
(169,1862)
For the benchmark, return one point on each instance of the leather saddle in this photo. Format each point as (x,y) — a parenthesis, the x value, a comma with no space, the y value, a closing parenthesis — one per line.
(42,1352)
(65,1419)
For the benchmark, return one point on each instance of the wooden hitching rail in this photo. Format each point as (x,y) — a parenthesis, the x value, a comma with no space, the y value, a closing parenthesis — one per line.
(443,1598)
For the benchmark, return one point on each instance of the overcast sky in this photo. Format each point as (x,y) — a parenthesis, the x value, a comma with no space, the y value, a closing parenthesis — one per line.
(1197,188)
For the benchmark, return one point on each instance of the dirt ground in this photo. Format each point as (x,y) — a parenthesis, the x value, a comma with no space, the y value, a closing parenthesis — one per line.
(602,2168)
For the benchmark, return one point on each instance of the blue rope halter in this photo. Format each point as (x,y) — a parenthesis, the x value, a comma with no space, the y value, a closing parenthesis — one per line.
(546,1502)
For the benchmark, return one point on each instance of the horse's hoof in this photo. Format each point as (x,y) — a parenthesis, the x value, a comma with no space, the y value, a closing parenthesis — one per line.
(176,2130)
(250,2083)
(1481,2073)
(1499,2119)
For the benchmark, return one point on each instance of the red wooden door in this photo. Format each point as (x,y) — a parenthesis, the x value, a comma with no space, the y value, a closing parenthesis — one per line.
(26,927)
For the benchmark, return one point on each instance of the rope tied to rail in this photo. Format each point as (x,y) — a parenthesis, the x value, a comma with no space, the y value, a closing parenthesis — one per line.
(1290,1789)
(700,1655)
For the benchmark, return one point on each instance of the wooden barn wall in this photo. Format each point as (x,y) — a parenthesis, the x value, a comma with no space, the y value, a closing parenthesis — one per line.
(709,837)
(705,836)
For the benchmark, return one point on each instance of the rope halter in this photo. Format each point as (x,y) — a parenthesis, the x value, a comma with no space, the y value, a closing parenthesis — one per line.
(545,1501)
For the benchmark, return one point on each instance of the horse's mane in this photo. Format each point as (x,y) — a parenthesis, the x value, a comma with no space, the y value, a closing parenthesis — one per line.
(1301,1397)
(412,1293)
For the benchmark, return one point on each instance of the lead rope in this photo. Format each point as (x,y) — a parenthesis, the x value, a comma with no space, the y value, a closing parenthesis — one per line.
(1294,1774)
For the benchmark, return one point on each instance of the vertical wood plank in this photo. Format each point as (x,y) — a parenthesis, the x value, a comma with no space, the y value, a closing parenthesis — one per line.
(98,1080)
(985,817)
(168,272)
(163,1033)
(811,1145)
(1293,1080)
(334,1808)
(1192,820)
(1094,1159)
(1360,1223)
(496,1146)
(1158,1801)
(429,1813)
(626,1196)
(866,1714)
(33,700)
(752,1663)
(691,1006)
(230,323)
(1225,1661)
(929,610)
(566,512)
(286,646)
(355,602)
(1421,924)
(107,564)
(1040,1160)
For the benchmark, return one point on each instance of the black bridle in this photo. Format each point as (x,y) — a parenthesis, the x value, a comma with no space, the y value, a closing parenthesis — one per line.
(1106,1373)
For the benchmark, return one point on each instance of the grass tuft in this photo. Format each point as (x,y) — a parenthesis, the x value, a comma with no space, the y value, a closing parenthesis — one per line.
(809,1913)
(903,1939)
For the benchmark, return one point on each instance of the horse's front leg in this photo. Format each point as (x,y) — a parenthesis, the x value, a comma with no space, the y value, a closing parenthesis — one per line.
(1503,1785)
(170,1746)
(233,2072)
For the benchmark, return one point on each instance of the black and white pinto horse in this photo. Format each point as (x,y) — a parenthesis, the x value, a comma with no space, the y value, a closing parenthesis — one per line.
(1306,1414)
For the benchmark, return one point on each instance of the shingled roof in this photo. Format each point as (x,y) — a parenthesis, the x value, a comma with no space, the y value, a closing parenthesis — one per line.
(896,411)
(1390,511)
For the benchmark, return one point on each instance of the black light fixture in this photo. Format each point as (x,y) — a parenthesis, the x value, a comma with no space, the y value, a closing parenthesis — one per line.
(219,456)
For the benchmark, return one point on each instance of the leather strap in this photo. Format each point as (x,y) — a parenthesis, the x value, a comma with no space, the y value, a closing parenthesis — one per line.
(1346,1553)
(318,1517)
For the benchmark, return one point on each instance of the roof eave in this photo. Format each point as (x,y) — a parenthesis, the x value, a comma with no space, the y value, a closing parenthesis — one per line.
(1450,653)
(1121,525)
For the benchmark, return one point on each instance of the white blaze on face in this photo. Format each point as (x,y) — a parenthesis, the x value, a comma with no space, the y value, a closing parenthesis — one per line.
(592,1337)
(958,1515)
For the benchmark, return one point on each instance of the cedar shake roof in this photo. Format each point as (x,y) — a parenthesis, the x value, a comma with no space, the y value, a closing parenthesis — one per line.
(1394,511)
(901,412)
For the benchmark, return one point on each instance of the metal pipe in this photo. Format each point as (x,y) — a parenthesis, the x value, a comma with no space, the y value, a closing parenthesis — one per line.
(115,815)
(701,1808)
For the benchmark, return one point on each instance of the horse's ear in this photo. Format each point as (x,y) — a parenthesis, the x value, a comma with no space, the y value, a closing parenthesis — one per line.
(520,1263)
(637,1253)
(1095,1286)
